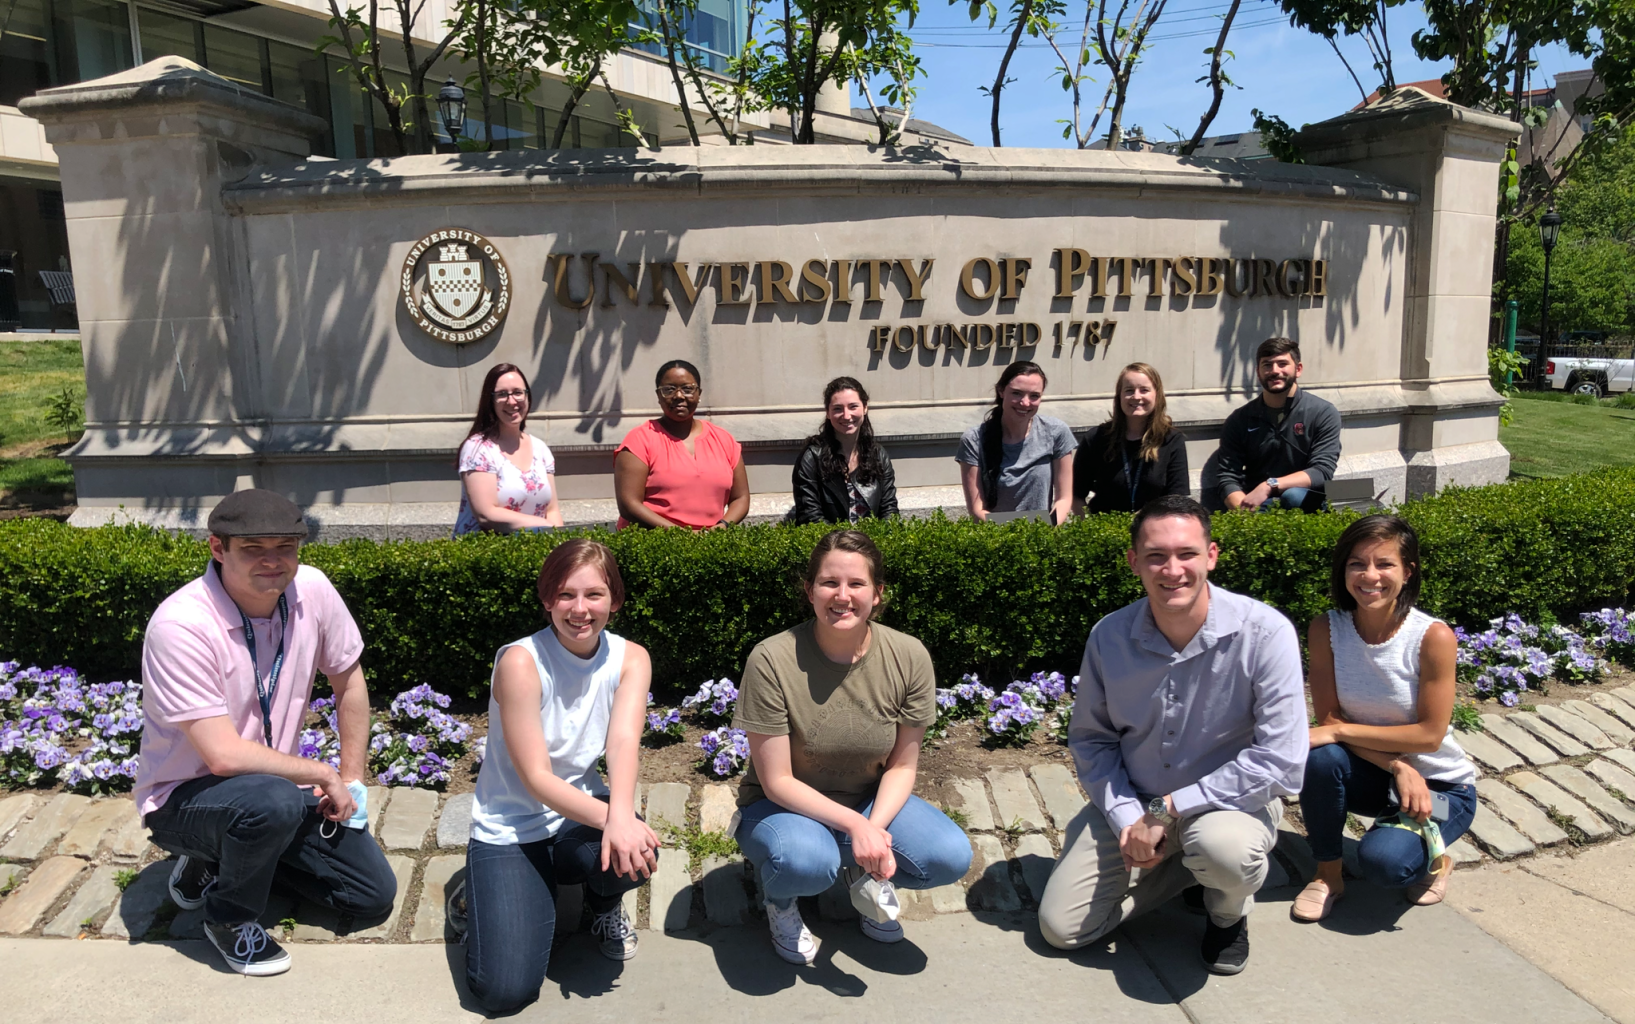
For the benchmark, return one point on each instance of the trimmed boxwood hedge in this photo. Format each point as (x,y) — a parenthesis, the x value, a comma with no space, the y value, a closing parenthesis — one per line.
(982,597)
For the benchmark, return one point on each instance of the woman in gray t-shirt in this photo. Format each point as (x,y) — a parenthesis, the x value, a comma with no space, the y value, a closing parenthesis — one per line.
(1017,460)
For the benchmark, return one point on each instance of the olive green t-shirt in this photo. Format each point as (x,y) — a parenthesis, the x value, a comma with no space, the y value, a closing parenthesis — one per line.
(841,720)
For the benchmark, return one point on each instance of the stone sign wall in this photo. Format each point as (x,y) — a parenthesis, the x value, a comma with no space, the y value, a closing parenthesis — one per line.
(322,327)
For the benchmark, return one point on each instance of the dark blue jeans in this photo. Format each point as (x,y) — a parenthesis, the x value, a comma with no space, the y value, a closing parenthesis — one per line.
(257,829)
(1338,781)
(511,908)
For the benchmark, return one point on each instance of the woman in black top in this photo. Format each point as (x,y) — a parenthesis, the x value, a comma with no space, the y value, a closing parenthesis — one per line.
(1136,456)
(843,475)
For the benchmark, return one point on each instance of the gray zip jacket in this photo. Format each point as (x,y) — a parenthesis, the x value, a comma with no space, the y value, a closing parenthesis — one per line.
(1255,448)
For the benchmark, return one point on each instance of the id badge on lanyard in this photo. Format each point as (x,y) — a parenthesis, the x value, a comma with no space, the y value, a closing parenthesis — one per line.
(265,693)
(1132,476)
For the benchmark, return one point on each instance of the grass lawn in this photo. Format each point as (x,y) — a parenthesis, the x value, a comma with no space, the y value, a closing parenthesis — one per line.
(30,373)
(1550,438)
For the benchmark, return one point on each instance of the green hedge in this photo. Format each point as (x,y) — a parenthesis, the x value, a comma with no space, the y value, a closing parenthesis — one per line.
(982,597)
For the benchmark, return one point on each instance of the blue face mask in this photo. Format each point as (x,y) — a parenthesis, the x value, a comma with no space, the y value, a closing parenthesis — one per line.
(360,817)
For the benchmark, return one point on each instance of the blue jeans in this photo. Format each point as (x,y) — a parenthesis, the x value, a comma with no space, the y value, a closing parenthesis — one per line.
(796,856)
(1338,781)
(1300,498)
(511,908)
(257,829)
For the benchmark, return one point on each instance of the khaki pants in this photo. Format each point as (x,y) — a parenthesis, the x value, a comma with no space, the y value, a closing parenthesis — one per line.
(1089,893)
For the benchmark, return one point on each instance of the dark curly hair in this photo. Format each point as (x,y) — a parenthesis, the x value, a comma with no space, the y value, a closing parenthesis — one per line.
(831,463)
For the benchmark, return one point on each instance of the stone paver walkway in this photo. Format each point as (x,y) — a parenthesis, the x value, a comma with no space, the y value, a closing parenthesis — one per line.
(77,867)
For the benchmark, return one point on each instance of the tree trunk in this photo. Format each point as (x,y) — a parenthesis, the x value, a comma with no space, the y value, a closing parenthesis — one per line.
(1215,83)
(675,70)
(1005,63)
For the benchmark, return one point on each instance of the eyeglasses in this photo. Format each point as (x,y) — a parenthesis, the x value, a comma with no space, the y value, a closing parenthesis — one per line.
(503,395)
(685,391)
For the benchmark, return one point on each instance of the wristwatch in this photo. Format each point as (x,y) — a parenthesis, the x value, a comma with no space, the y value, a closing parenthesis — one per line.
(1271,482)
(1160,810)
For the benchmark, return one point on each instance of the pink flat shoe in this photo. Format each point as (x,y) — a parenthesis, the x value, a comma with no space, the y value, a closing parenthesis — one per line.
(1432,889)
(1314,901)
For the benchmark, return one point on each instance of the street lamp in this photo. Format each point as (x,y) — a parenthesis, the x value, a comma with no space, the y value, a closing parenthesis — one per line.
(451,106)
(1549,229)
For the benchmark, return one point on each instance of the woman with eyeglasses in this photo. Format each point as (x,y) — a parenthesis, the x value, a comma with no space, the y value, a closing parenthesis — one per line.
(678,470)
(508,477)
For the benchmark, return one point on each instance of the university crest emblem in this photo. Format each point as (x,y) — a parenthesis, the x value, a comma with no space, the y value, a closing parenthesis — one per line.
(455,286)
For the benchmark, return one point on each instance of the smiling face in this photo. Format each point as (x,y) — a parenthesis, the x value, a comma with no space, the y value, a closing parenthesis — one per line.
(1278,373)
(1023,395)
(1375,574)
(580,609)
(1173,557)
(678,393)
(846,412)
(844,594)
(511,400)
(256,569)
(1137,396)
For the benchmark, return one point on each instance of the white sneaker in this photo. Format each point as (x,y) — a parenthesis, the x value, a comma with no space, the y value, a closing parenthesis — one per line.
(618,935)
(790,936)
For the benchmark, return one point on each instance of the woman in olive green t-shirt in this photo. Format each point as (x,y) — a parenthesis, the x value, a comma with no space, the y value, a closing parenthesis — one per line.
(835,709)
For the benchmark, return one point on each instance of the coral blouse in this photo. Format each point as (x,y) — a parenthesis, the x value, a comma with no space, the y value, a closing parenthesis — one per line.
(689,490)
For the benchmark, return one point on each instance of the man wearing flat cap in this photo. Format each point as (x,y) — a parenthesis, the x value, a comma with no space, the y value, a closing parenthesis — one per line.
(228,664)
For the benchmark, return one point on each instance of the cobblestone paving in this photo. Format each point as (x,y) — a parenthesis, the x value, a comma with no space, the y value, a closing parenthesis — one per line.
(74,867)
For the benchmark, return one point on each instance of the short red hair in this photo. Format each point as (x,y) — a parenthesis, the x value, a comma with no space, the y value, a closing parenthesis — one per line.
(569,557)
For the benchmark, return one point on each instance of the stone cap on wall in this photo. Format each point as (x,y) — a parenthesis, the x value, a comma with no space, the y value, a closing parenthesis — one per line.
(168,83)
(1408,109)
(515,175)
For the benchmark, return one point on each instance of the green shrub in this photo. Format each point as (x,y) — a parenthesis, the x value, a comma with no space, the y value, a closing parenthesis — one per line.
(991,598)
(1627,400)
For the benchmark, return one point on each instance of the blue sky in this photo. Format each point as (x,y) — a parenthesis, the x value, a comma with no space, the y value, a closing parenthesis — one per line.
(1282,70)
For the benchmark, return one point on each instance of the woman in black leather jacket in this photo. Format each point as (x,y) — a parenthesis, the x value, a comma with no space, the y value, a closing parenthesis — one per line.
(843,475)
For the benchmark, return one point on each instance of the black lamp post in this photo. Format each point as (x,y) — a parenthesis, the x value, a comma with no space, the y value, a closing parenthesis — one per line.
(451,107)
(1549,229)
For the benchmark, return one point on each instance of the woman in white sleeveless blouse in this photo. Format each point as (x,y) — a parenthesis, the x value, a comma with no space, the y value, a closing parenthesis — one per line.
(1382,687)
(542,815)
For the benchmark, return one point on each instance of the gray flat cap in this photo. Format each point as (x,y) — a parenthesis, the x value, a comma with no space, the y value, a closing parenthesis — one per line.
(257,513)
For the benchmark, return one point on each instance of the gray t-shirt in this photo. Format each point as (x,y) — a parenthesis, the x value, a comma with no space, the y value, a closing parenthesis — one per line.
(1025,472)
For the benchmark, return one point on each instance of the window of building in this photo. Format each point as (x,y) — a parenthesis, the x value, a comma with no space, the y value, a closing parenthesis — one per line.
(60,42)
(234,56)
(714,32)
(167,36)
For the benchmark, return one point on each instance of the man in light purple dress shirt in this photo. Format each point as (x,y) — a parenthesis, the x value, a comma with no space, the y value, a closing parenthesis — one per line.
(1190,723)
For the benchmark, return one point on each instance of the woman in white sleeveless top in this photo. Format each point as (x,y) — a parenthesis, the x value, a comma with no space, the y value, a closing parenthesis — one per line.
(1382,687)
(542,815)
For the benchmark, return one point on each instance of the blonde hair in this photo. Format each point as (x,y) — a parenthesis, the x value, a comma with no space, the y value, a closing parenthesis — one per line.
(1159,425)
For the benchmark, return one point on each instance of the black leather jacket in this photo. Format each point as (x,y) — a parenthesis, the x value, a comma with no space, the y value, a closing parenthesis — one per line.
(821,499)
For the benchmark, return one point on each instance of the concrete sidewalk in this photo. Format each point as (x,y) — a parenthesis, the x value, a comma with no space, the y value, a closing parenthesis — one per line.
(1376,960)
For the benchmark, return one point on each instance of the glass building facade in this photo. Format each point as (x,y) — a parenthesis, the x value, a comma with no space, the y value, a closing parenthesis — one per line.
(49,43)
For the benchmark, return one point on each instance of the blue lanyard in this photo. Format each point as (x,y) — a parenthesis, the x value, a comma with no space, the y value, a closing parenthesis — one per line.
(265,694)
(1132,477)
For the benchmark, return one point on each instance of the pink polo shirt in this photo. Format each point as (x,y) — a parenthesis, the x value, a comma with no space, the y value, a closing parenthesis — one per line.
(195,664)
(687,489)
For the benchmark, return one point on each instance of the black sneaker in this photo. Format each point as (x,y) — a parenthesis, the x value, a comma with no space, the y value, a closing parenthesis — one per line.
(1226,950)
(1193,897)
(190,880)
(248,949)
(454,911)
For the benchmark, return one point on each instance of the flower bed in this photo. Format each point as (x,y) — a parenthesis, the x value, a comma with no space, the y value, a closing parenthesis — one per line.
(57,729)
(1512,657)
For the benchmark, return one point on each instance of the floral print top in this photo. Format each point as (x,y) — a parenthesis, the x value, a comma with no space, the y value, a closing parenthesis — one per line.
(522,491)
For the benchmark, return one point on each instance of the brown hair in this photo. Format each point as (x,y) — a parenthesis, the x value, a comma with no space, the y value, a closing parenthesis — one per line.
(1372,528)
(992,436)
(853,541)
(487,421)
(1276,347)
(571,556)
(1167,506)
(1159,424)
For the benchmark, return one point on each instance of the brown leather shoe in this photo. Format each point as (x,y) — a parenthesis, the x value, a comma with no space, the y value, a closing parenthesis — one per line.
(1430,890)
(1314,901)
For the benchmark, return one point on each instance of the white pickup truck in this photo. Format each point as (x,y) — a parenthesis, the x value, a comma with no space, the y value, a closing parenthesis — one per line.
(1587,375)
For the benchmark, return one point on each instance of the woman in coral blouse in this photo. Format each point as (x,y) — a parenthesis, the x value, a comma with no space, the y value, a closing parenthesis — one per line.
(678,470)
